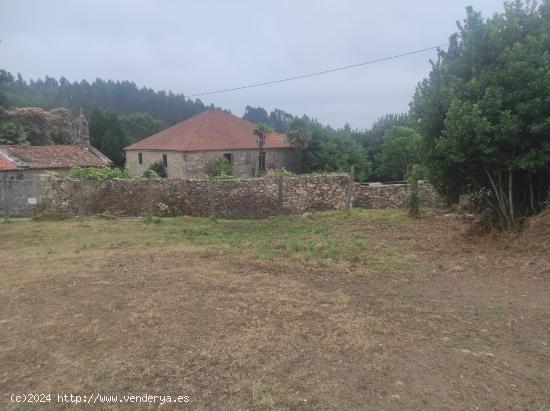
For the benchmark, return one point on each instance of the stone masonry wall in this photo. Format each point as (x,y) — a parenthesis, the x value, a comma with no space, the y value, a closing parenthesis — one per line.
(195,164)
(240,198)
(379,195)
(243,198)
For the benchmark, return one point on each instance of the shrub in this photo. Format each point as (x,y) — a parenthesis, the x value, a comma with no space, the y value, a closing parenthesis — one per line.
(101,173)
(159,169)
(221,168)
(149,173)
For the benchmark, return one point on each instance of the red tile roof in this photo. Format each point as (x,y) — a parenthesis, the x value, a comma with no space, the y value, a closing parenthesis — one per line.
(6,163)
(54,156)
(209,130)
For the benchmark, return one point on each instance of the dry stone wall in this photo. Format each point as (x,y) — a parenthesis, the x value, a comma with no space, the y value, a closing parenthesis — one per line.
(239,198)
(379,195)
(242,198)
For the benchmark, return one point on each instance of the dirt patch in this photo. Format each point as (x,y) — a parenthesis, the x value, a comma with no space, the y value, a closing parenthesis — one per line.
(536,232)
(328,311)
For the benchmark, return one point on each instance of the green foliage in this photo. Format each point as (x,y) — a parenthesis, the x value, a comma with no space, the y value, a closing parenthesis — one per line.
(149,173)
(484,111)
(262,130)
(413,197)
(5,78)
(221,168)
(36,126)
(159,169)
(107,134)
(400,149)
(12,133)
(373,138)
(278,119)
(103,173)
(256,115)
(299,135)
(335,150)
(140,125)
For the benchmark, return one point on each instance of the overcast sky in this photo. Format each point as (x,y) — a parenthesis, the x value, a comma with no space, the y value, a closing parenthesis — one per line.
(202,45)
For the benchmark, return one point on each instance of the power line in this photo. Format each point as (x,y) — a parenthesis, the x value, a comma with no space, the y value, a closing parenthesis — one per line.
(319,73)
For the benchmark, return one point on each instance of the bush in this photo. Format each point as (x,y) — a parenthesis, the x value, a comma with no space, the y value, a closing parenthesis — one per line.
(149,173)
(221,168)
(159,169)
(102,173)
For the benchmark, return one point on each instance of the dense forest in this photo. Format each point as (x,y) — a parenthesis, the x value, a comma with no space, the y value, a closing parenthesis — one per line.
(120,97)
(479,123)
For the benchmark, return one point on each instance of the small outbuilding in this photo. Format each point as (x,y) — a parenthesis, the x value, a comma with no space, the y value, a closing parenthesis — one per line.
(187,149)
(28,162)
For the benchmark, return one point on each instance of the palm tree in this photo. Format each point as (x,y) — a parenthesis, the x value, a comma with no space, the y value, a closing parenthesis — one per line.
(261,131)
(299,135)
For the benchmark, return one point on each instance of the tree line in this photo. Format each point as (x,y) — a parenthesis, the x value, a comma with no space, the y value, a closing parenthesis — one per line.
(120,97)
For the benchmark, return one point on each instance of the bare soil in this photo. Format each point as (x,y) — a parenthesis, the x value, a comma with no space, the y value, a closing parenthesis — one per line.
(324,311)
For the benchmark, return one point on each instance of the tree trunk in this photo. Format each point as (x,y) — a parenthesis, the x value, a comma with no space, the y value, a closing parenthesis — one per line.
(503,208)
(510,194)
(531,194)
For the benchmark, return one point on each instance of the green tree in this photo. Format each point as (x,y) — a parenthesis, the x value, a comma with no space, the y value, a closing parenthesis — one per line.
(107,134)
(400,150)
(140,125)
(485,113)
(36,126)
(120,97)
(12,133)
(332,151)
(221,168)
(372,139)
(256,115)
(5,78)
(278,119)
(299,135)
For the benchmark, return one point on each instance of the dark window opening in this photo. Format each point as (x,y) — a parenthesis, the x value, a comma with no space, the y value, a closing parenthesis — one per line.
(140,158)
(228,157)
(165,161)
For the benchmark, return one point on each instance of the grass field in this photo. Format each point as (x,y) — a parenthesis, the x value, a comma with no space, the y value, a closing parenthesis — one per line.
(371,310)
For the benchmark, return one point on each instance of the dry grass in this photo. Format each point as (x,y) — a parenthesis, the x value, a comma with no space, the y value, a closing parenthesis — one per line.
(323,311)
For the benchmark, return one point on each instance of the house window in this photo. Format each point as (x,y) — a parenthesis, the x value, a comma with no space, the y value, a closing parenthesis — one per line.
(165,161)
(228,157)
(140,158)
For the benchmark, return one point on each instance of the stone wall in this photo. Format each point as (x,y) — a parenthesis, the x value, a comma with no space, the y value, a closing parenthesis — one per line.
(379,195)
(243,198)
(240,198)
(195,164)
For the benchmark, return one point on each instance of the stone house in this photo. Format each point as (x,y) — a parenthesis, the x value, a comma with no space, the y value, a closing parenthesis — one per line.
(187,149)
(28,162)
